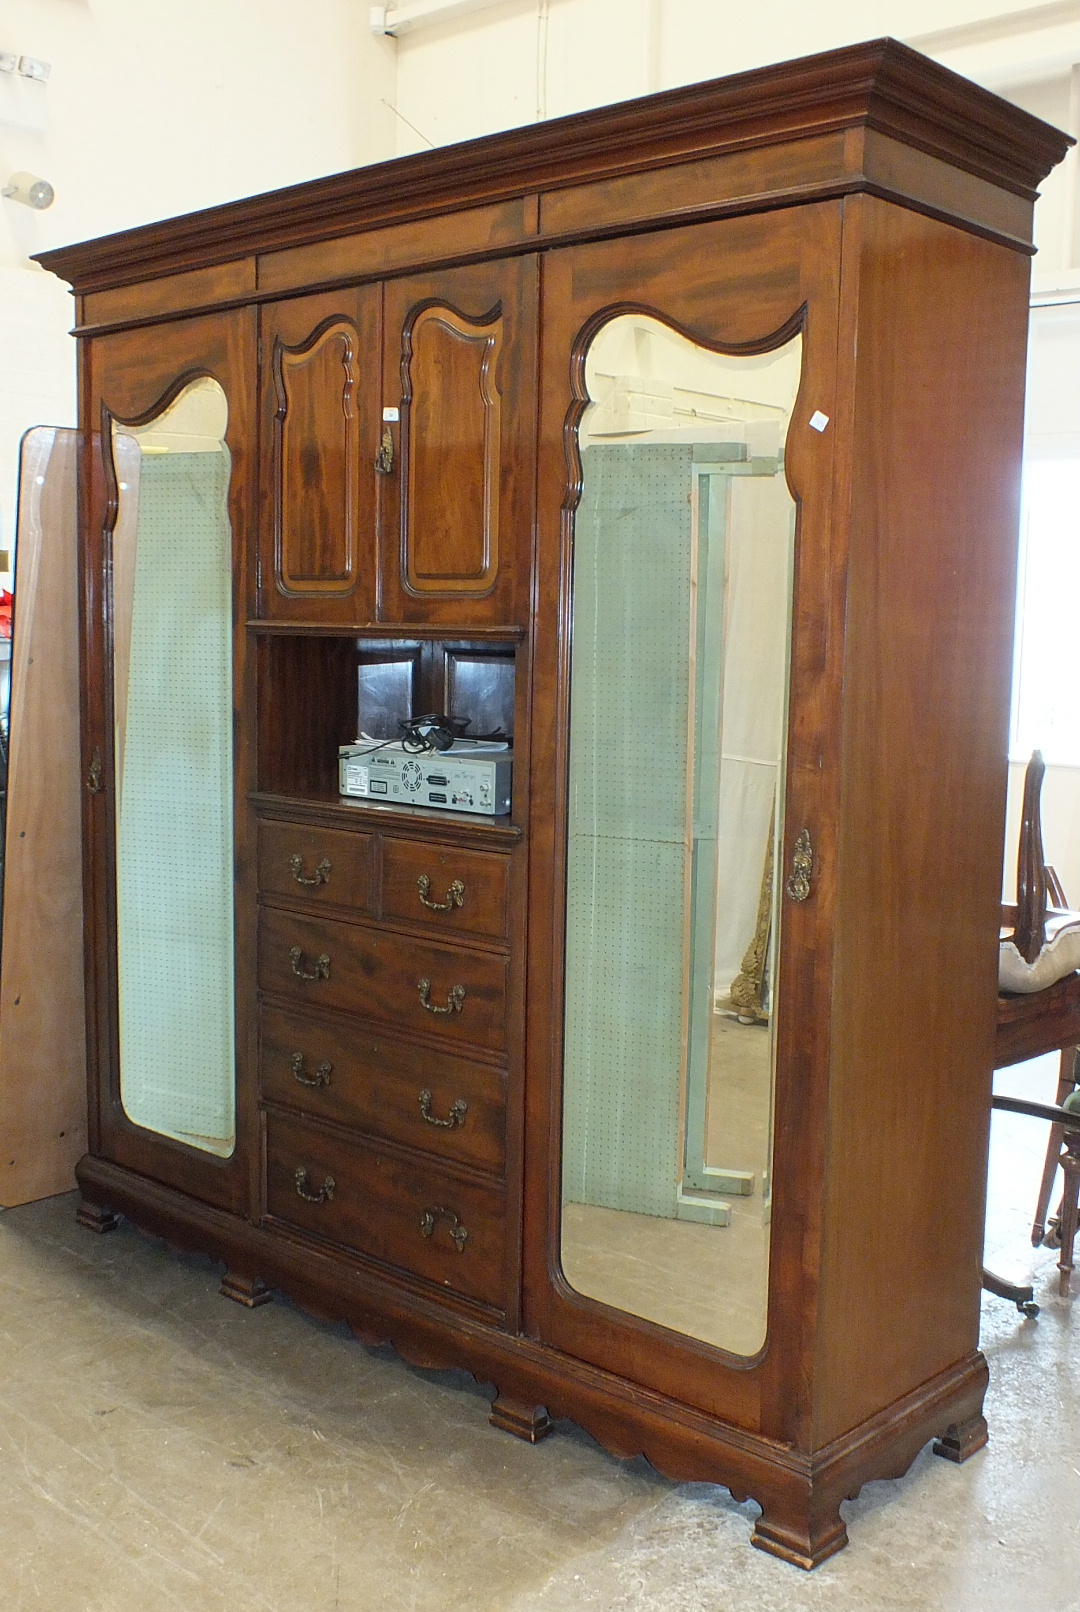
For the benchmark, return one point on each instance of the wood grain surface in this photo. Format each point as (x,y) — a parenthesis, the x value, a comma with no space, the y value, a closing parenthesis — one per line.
(42,1010)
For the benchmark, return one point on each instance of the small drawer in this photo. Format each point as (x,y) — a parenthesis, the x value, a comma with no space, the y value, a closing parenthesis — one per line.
(407,1212)
(440,884)
(325,865)
(448,991)
(431,1100)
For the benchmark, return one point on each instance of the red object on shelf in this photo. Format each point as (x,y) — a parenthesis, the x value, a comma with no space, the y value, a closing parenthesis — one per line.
(7,605)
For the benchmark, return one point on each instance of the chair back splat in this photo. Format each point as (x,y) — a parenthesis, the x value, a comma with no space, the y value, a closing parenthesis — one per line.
(1031,901)
(1034,1021)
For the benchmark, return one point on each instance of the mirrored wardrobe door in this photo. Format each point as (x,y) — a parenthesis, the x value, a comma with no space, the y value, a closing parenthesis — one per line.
(170,578)
(681,631)
(172,709)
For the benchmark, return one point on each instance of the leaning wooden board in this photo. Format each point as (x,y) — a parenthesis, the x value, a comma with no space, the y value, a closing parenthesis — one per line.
(42,1037)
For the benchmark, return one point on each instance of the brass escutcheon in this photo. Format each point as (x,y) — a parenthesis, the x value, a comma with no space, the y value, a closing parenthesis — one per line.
(458,1109)
(321,971)
(802,865)
(455,896)
(321,1077)
(384,459)
(455,996)
(320,876)
(430,1218)
(324,1194)
(93,777)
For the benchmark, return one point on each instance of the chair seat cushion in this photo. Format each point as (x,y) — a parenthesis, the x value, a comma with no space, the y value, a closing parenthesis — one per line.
(1059,956)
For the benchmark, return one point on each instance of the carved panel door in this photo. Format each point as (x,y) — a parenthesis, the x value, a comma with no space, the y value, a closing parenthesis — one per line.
(320,398)
(455,497)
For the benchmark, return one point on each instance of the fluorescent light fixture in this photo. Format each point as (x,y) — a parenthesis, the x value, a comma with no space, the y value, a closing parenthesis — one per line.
(400,19)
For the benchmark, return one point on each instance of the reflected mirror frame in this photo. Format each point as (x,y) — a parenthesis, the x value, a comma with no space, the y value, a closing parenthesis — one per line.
(785,343)
(178,600)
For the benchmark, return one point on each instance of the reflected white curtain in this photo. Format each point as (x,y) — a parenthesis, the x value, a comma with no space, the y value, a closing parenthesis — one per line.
(756,617)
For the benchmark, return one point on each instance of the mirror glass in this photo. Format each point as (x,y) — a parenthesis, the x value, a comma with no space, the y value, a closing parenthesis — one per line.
(683,551)
(172,702)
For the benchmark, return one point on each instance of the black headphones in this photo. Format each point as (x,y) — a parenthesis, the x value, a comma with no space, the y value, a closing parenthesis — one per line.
(432,732)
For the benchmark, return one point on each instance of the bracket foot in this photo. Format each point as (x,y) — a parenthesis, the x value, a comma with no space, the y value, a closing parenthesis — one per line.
(250,1291)
(805,1540)
(96,1216)
(517,1416)
(962,1440)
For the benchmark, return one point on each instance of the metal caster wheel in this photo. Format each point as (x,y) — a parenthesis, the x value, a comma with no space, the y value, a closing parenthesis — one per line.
(1028,1309)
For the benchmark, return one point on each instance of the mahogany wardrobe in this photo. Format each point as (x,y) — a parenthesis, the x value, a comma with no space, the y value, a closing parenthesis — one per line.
(676,444)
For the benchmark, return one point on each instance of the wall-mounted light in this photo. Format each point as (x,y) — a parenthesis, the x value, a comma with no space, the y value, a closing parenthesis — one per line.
(28,66)
(30,190)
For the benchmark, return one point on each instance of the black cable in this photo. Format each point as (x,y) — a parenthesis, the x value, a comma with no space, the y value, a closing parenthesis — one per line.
(435,731)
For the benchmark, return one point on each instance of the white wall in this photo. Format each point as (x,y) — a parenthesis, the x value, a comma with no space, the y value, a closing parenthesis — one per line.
(37,374)
(511,63)
(158,107)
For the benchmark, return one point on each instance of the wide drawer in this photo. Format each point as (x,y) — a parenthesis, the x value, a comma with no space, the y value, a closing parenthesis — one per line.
(443,990)
(459,890)
(432,1100)
(316,864)
(409,1213)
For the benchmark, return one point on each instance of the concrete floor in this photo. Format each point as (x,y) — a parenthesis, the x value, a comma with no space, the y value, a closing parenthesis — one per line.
(164,1449)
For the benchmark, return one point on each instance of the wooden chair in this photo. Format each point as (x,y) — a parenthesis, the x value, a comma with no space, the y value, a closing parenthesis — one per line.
(1035,1023)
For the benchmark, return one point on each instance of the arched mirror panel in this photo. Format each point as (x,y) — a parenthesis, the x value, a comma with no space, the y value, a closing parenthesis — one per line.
(171,611)
(682,575)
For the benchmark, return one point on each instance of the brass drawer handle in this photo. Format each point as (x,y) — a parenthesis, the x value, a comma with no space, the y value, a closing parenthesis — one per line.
(455,996)
(455,896)
(321,1077)
(430,1218)
(458,1109)
(802,866)
(320,876)
(321,971)
(324,1194)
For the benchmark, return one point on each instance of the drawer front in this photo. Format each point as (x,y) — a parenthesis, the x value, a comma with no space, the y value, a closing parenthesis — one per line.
(322,865)
(431,1100)
(408,1213)
(446,991)
(463,891)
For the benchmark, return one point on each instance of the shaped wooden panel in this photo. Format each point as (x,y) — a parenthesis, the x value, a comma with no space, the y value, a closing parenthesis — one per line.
(315,453)
(453,417)
(456,493)
(320,399)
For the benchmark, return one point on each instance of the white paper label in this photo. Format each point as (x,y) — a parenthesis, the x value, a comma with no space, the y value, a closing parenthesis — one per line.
(818,421)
